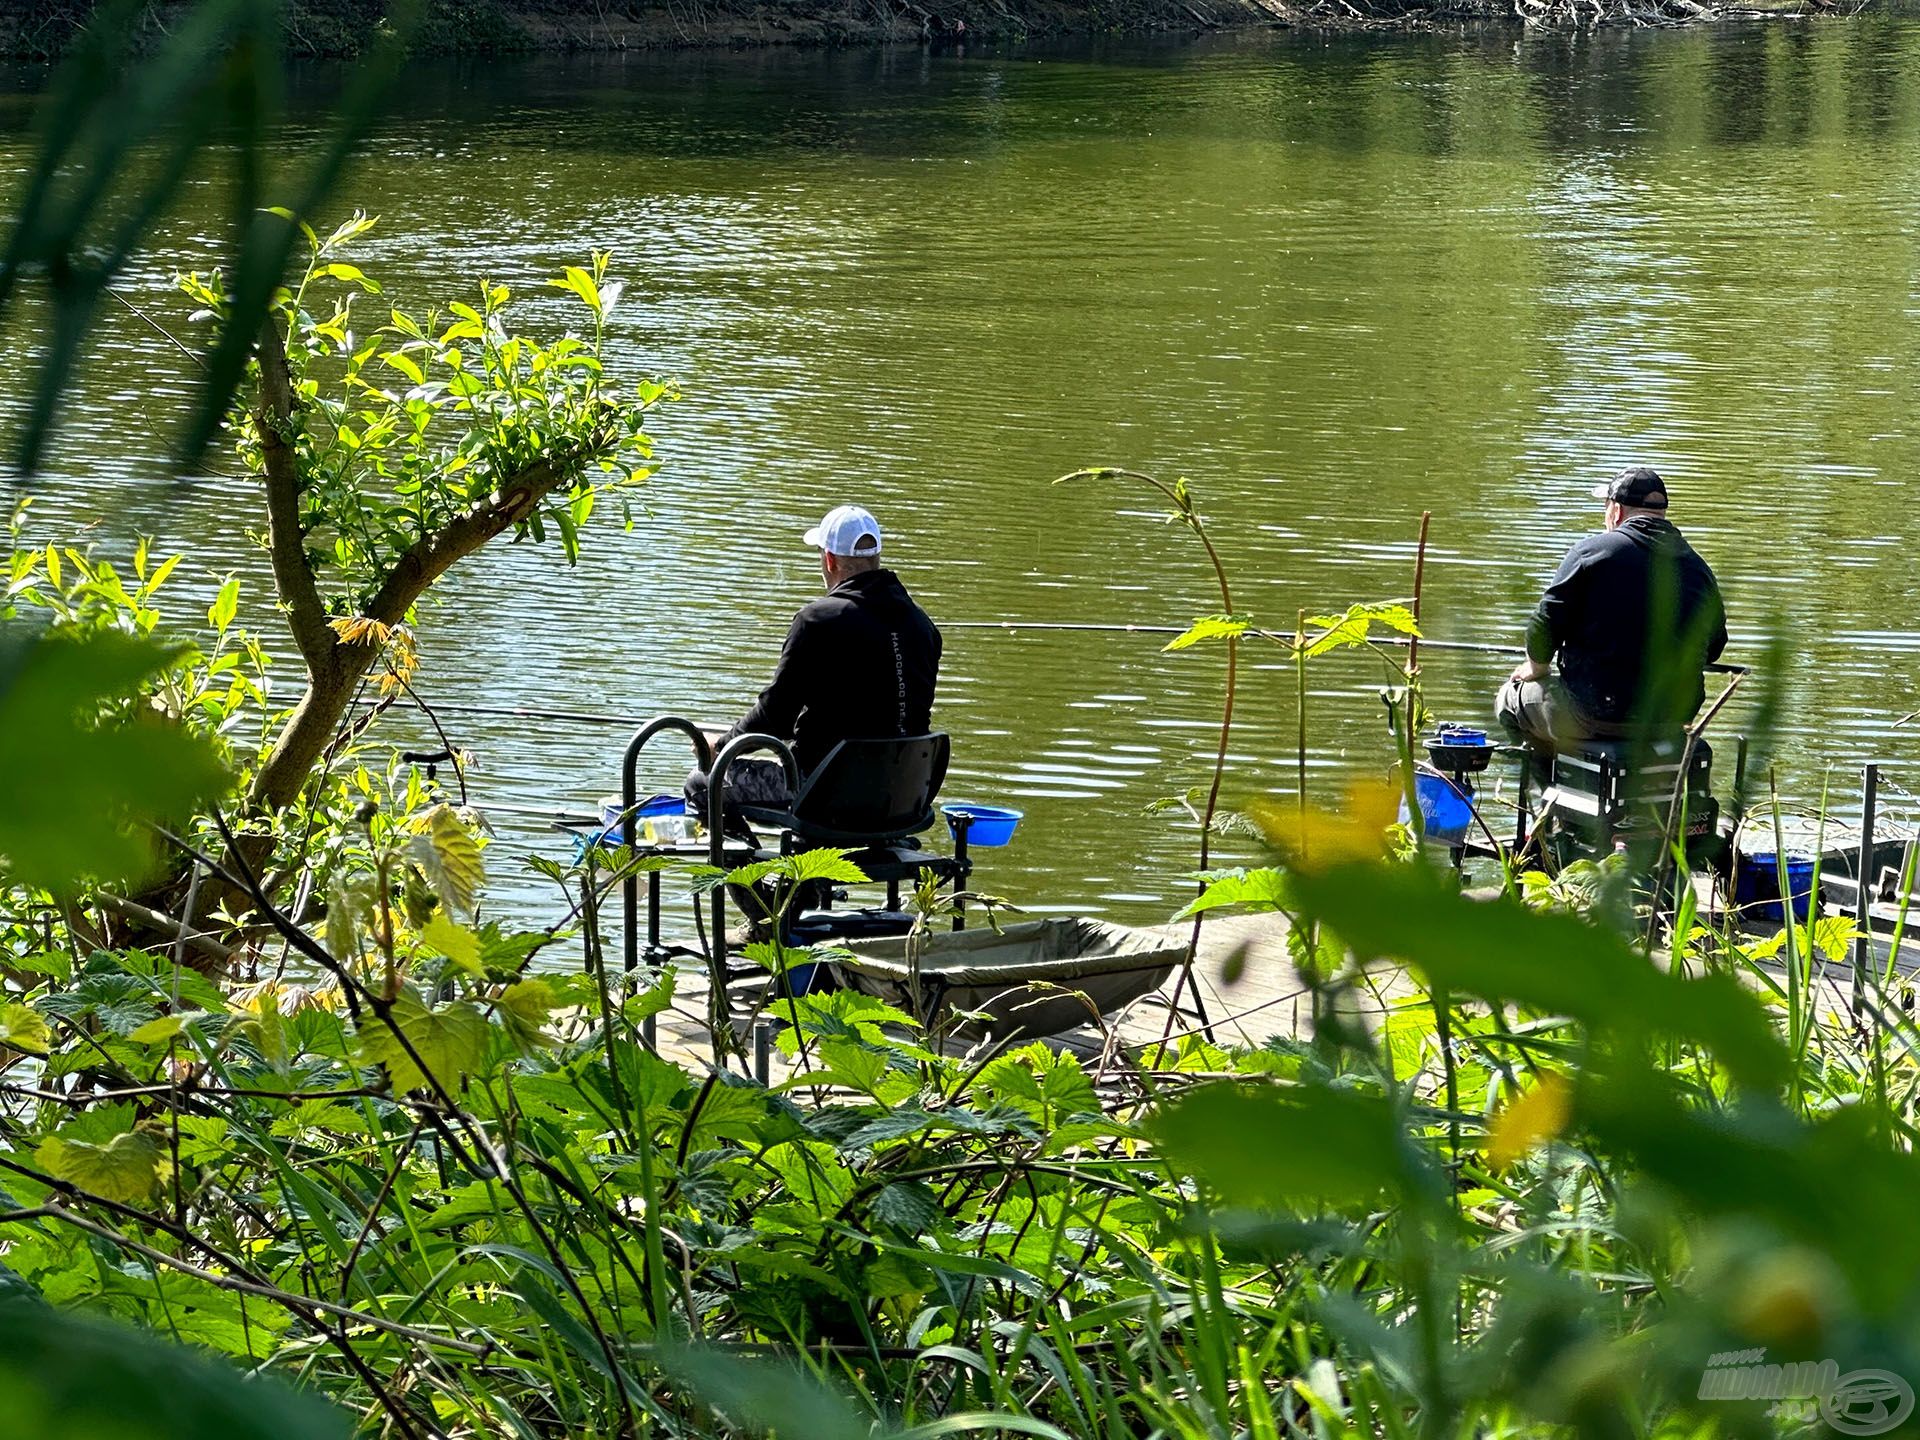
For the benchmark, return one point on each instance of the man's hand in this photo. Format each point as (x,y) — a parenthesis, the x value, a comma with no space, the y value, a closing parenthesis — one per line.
(1528,669)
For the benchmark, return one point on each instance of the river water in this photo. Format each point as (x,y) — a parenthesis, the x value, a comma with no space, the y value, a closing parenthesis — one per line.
(1334,283)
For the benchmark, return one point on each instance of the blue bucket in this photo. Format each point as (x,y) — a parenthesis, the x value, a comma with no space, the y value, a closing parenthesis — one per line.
(1757,891)
(1445,813)
(988,825)
(803,980)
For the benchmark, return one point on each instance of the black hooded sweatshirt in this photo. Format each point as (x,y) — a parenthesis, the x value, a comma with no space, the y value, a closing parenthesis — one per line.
(860,663)
(1633,615)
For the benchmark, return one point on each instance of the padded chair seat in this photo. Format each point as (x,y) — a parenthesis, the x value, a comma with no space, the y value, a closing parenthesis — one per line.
(818,834)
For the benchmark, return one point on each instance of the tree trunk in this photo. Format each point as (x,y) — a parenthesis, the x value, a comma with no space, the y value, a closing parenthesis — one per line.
(310,729)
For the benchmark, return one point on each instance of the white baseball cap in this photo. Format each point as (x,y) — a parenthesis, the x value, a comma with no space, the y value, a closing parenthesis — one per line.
(841,532)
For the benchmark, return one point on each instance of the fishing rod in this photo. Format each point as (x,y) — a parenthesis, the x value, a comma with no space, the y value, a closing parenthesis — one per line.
(1473,647)
(587,717)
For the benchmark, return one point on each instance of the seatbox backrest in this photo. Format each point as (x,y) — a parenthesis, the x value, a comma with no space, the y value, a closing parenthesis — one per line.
(875,787)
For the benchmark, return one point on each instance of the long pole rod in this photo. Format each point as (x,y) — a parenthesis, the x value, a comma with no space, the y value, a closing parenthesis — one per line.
(1863,895)
(585,717)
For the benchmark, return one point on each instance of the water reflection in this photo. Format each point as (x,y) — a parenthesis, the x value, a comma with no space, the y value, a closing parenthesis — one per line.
(1334,283)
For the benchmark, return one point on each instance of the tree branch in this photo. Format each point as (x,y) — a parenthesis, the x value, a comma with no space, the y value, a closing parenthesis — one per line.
(431,556)
(287,542)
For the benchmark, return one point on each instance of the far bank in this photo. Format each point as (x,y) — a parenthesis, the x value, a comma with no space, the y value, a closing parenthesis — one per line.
(46,29)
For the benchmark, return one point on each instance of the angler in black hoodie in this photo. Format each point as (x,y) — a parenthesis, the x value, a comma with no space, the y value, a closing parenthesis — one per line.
(1632,616)
(859,663)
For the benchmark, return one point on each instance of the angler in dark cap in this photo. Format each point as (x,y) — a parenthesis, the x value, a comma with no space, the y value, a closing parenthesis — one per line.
(1630,618)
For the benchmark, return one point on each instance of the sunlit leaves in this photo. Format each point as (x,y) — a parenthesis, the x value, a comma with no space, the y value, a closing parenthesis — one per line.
(79,767)
(656,998)
(450,1041)
(448,853)
(1050,1085)
(225,605)
(1210,627)
(459,944)
(1257,891)
(1338,632)
(127,1168)
(22,1028)
(524,1007)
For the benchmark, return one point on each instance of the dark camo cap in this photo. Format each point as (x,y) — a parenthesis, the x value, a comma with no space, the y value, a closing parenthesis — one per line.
(1638,487)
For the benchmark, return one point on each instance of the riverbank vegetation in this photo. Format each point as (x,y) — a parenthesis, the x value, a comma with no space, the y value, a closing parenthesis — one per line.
(297,1139)
(430,1171)
(314,29)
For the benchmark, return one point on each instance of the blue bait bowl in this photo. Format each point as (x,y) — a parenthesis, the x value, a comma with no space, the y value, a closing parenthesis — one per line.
(988,825)
(648,809)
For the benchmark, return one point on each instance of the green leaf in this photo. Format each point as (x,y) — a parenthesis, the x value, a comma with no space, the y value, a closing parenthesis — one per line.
(352,274)
(524,1007)
(449,855)
(766,1396)
(127,1169)
(67,1377)
(1556,964)
(654,1000)
(1353,628)
(826,864)
(458,944)
(580,282)
(406,365)
(1210,627)
(1047,1085)
(225,605)
(450,1041)
(908,1205)
(1263,1146)
(22,1029)
(158,1032)
(1260,891)
(349,905)
(73,780)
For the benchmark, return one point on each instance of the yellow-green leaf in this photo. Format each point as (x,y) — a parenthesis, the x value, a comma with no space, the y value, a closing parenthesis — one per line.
(450,1042)
(826,864)
(406,365)
(449,854)
(225,605)
(127,1169)
(23,1029)
(454,941)
(158,1032)
(524,1007)
(1211,627)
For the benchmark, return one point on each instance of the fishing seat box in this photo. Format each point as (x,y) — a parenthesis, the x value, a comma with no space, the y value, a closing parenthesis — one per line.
(1608,790)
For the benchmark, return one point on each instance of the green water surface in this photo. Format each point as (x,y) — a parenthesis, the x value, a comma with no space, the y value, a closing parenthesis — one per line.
(1333,283)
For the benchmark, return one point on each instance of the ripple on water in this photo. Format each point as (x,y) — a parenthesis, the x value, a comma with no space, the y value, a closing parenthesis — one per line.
(1333,284)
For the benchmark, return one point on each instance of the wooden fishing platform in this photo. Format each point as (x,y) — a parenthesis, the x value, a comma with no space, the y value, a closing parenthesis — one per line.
(1265,1000)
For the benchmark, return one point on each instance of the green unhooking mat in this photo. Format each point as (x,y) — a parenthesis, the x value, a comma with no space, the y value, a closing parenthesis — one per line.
(1032,979)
